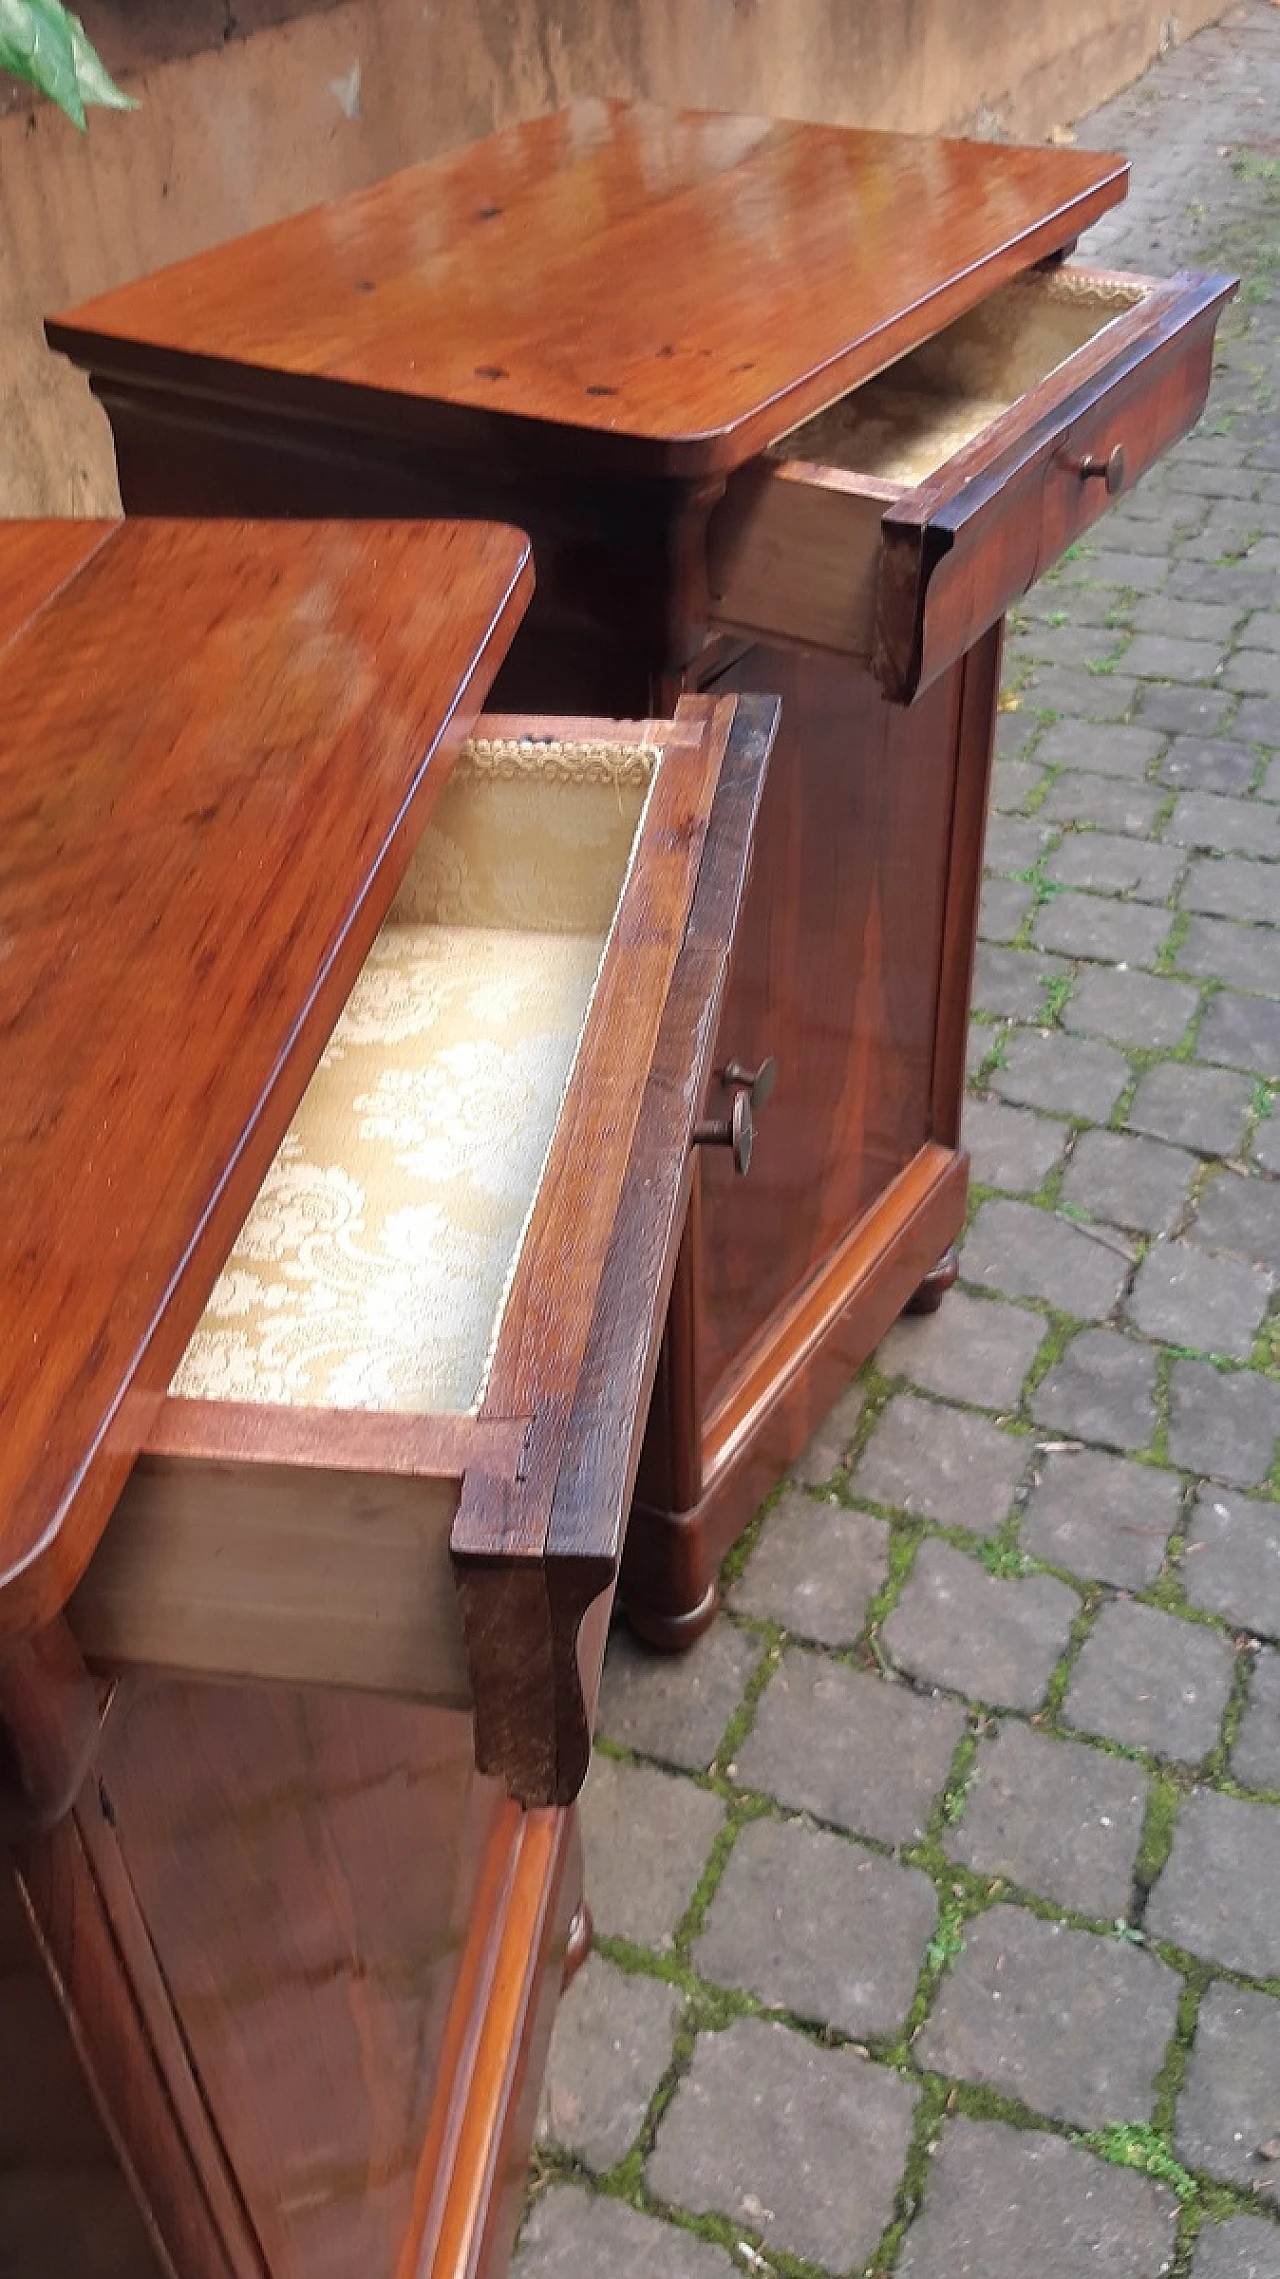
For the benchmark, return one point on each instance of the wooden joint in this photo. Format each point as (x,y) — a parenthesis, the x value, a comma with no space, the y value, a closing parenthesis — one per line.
(521,1619)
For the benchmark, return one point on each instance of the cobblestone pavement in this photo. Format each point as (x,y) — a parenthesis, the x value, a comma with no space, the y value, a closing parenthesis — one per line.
(938,1891)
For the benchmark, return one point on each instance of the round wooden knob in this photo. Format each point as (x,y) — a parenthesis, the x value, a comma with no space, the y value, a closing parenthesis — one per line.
(1109,470)
(736,1131)
(758,1082)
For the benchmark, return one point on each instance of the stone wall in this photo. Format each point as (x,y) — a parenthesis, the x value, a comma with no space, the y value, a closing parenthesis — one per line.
(246,117)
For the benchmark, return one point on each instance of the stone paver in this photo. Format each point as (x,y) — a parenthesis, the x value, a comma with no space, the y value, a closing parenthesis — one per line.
(970,1350)
(1026,1253)
(995,1639)
(828,1451)
(1248,957)
(802,2145)
(1241,1216)
(1014,844)
(1101,1388)
(1217,1895)
(1069,1076)
(1099,926)
(1132,1008)
(1232,1560)
(1161,656)
(1092,696)
(812,1924)
(1203,1108)
(610,2047)
(1001,2203)
(1228,826)
(1005,903)
(1013,782)
(940,1463)
(850,1748)
(676,1709)
(1191,1296)
(1058,1818)
(1243,1031)
(1255,1759)
(1012,983)
(1109,803)
(1101,1517)
(1145,1678)
(1239,2249)
(1074,2025)
(1266,1141)
(1258,720)
(1101,750)
(1124,752)
(1224,1424)
(647,1836)
(1196,765)
(1200,621)
(1185,711)
(1257,671)
(1231,2101)
(1229,886)
(1111,864)
(1011,1147)
(573,2234)
(1132,1181)
(815,1569)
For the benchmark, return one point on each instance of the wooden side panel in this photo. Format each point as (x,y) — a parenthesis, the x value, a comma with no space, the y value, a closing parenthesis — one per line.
(65,2206)
(254,1569)
(835,974)
(305,1865)
(793,549)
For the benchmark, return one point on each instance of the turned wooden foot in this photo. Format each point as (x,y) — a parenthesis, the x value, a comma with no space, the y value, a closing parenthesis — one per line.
(578,1944)
(673,1633)
(931,1292)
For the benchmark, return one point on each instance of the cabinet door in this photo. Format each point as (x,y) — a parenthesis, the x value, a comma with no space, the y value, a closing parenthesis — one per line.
(836,975)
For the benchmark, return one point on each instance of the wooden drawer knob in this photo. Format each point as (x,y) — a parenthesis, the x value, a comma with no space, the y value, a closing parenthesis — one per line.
(737,1130)
(1109,470)
(758,1082)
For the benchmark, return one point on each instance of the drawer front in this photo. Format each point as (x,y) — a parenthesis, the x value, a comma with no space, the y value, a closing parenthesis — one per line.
(954,556)
(847,557)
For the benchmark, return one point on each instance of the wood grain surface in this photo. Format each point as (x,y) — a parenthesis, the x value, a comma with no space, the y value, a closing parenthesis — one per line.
(220,745)
(725,275)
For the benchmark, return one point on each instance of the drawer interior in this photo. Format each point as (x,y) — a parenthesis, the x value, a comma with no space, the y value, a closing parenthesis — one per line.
(373,1268)
(898,428)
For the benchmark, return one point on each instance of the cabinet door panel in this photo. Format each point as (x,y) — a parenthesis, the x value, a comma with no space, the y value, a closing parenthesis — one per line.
(836,975)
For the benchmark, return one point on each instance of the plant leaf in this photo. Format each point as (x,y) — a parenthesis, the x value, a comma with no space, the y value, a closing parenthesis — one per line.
(96,82)
(35,45)
(43,43)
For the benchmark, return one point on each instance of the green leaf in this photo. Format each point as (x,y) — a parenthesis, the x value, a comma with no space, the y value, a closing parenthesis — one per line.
(35,45)
(43,43)
(96,82)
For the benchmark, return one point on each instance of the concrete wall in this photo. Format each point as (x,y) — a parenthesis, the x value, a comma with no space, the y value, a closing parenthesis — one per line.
(236,130)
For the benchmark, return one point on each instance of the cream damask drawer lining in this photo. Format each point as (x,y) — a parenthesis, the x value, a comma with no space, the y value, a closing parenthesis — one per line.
(901,426)
(373,1267)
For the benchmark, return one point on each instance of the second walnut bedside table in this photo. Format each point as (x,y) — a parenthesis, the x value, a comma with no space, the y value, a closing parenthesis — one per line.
(783,408)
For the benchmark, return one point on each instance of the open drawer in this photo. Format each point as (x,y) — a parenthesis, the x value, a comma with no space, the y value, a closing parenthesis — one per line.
(398,1451)
(900,522)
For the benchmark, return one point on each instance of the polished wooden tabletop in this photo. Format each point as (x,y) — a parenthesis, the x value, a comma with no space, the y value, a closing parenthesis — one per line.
(684,284)
(220,742)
